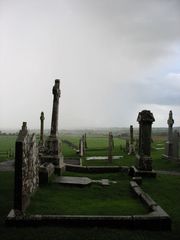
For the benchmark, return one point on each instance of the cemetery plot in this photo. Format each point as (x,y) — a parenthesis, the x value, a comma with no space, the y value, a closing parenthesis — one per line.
(115,199)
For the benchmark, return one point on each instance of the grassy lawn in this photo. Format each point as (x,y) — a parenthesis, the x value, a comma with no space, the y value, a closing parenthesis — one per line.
(164,190)
(116,199)
(95,199)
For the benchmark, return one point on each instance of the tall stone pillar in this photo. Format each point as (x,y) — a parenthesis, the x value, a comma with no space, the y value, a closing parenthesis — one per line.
(52,144)
(169,143)
(41,142)
(81,146)
(145,119)
(131,144)
(110,147)
(85,141)
(52,153)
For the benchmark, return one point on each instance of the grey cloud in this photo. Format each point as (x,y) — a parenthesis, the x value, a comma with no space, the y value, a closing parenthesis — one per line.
(104,51)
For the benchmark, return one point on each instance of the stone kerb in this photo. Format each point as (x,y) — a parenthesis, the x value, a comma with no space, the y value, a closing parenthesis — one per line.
(26,169)
(156,219)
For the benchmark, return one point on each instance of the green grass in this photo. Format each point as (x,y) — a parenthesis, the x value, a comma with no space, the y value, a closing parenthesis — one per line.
(116,199)
(7,143)
(164,190)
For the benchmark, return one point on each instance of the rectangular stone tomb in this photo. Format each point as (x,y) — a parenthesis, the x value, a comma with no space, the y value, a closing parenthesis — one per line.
(80,181)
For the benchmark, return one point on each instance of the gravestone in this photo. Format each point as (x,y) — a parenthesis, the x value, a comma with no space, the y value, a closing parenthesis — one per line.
(169,143)
(81,146)
(144,160)
(26,169)
(41,142)
(176,148)
(110,147)
(145,119)
(131,142)
(85,141)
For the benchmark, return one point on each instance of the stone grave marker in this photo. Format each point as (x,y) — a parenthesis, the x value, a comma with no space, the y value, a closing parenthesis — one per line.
(26,168)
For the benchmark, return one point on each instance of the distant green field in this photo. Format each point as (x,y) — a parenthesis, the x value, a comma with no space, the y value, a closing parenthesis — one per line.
(7,144)
(98,146)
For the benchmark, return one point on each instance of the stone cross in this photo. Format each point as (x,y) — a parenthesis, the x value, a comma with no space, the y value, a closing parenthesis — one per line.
(145,119)
(42,129)
(54,122)
(52,151)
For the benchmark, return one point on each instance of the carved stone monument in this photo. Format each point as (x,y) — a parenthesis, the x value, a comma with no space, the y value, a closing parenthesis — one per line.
(26,169)
(52,152)
(169,144)
(144,160)
(145,119)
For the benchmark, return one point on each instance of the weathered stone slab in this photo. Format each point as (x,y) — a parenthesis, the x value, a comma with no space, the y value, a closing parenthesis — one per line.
(80,181)
(83,181)
(26,168)
(102,158)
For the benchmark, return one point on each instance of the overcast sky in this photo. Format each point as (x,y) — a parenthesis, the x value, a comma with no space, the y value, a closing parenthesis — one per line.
(114,58)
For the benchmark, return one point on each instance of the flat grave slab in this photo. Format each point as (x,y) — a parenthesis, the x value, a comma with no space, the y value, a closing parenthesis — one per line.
(79,181)
(102,158)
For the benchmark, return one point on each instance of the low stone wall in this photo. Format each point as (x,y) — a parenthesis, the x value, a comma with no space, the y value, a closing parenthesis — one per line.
(96,169)
(157,219)
(161,217)
(26,169)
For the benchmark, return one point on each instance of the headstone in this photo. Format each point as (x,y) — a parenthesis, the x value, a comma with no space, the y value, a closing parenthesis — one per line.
(41,142)
(169,143)
(26,168)
(176,148)
(85,141)
(131,142)
(145,119)
(81,147)
(110,147)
